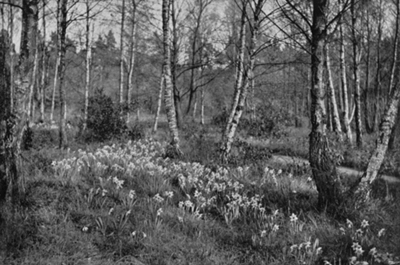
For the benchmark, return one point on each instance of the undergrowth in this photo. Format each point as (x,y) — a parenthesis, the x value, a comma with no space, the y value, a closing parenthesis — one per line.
(126,204)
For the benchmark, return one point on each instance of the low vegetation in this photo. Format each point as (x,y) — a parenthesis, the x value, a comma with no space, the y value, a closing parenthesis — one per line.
(125,202)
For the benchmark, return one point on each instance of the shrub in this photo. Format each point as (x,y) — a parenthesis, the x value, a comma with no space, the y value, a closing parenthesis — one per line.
(270,121)
(104,121)
(220,119)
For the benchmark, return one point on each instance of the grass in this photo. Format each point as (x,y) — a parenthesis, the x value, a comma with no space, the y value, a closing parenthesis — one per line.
(125,203)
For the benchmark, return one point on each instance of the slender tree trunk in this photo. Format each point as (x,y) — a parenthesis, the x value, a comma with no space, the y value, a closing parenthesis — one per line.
(131,61)
(12,52)
(377,157)
(13,113)
(32,83)
(195,107)
(55,81)
(368,125)
(357,93)
(159,102)
(122,61)
(53,94)
(63,142)
(44,68)
(88,65)
(393,69)
(239,69)
(202,106)
(168,97)
(322,165)
(238,110)
(3,21)
(8,159)
(343,79)
(336,126)
(174,63)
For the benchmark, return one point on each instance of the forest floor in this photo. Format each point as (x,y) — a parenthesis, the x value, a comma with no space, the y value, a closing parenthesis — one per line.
(125,202)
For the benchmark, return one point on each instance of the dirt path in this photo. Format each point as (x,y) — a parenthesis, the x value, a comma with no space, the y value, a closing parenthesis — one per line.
(284,160)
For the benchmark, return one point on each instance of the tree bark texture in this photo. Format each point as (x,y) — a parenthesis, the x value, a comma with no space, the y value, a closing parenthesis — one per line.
(122,61)
(343,80)
(131,61)
(230,129)
(8,170)
(88,65)
(168,97)
(44,64)
(356,76)
(63,142)
(337,127)
(321,162)
(174,65)
(385,129)
(159,102)
(237,112)
(13,113)
(239,69)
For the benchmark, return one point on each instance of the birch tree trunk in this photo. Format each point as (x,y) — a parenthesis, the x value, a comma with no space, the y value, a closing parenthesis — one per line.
(88,65)
(321,162)
(44,67)
(168,97)
(53,94)
(63,141)
(368,125)
(343,80)
(238,110)
(356,76)
(239,70)
(8,159)
(122,61)
(32,83)
(159,102)
(12,52)
(55,81)
(332,95)
(174,63)
(377,157)
(202,99)
(131,62)
(202,107)
(393,69)
(13,113)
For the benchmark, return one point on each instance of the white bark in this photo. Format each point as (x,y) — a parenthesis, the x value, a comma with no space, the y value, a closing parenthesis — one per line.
(159,102)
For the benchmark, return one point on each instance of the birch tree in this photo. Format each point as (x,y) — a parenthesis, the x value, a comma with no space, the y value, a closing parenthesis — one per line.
(159,102)
(238,107)
(337,127)
(356,74)
(88,64)
(168,97)
(13,113)
(62,30)
(42,92)
(133,44)
(321,162)
(343,80)
(122,60)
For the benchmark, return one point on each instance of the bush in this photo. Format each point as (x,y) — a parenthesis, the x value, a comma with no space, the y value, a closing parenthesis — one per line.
(104,120)
(270,121)
(220,119)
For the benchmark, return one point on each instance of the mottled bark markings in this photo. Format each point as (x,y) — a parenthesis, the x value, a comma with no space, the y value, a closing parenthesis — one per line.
(322,164)
(168,95)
